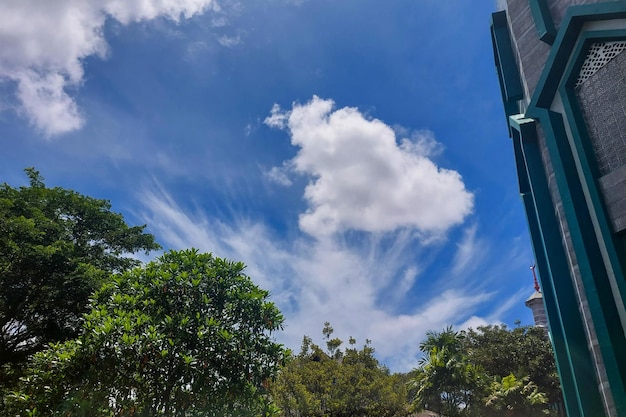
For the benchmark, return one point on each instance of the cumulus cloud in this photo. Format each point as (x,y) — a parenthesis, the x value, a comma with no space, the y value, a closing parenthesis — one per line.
(363,178)
(43,44)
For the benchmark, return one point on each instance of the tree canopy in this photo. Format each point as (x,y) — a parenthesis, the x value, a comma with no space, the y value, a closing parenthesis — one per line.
(446,381)
(488,371)
(187,334)
(336,383)
(522,351)
(56,247)
(86,330)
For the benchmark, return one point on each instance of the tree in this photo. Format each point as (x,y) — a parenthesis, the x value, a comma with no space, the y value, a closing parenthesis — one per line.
(511,396)
(187,334)
(522,351)
(446,381)
(56,247)
(491,371)
(335,383)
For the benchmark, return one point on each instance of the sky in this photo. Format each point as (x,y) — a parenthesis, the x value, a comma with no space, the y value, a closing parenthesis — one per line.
(352,153)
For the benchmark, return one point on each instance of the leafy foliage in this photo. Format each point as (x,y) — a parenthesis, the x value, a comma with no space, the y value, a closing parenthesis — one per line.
(512,396)
(56,247)
(188,334)
(522,351)
(446,381)
(349,383)
(490,371)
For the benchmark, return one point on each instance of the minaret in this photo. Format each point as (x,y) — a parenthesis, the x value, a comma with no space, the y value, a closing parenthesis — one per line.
(535,303)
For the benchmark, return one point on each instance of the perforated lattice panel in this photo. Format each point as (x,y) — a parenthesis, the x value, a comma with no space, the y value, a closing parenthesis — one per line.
(602,100)
(599,55)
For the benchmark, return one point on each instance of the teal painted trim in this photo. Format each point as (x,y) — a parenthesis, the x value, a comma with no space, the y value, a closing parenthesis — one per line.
(573,359)
(567,162)
(579,51)
(543,20)
(593,272)
(566,38)
(522,176)
(506,65)
(614,345)
(558,336)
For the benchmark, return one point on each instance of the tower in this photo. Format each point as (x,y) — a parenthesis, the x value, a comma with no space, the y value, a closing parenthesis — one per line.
(561,65)
(535,303)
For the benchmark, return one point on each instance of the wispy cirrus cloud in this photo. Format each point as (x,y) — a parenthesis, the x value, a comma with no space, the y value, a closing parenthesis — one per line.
(363,180)
(43,45)
(318,280)
(229,41)
(470,252)
(279,175)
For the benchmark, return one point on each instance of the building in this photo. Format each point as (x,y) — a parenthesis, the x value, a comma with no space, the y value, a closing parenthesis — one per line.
(562,71)
(535,303)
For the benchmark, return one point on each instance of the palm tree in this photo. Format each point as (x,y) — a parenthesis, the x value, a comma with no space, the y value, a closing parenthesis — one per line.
(445,381)
(511,396)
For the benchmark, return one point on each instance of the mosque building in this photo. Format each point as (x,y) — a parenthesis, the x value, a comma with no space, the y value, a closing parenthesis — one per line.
(561,65)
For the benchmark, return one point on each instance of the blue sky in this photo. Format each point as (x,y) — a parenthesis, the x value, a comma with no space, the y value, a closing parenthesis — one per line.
(353,153)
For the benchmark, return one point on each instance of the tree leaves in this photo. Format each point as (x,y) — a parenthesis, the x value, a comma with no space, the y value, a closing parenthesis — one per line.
(56,247)
(522,351)
(485,372)
(157,348)
(338,383)
(446,381)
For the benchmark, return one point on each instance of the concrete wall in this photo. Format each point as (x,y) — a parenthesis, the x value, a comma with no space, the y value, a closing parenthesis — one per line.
(559,7)
(532,53)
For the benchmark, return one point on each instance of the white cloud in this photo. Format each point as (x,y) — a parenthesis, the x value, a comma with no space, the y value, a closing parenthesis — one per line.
(47,104)
(470,252)
(504,306)
(219,22)
(229,41)
(195,50)
(43,44)
(361,179)
(279,175)
(326,279)
(474,322)
(277,118)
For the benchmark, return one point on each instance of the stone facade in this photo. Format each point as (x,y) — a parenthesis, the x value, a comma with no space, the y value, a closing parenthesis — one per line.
(573,116)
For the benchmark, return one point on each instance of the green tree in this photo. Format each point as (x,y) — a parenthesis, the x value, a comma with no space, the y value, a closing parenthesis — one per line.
(188,334)
(446,381)
(335,383)
(522,351)
(56,247)
(512,397)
